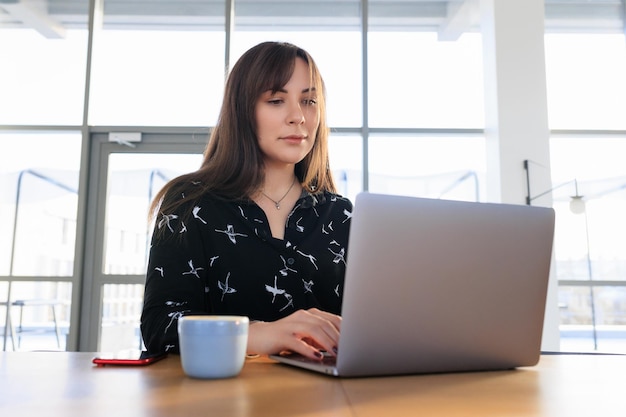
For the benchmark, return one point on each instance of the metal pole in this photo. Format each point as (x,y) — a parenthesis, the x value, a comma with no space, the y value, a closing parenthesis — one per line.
(365,91)
(8,325)
(592,298)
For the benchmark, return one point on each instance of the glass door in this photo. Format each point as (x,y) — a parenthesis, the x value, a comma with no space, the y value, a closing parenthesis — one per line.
(126,176)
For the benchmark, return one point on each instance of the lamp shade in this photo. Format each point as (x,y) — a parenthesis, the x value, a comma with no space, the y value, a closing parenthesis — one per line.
(577,204)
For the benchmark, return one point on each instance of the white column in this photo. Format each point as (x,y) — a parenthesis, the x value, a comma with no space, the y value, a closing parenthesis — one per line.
(516,114)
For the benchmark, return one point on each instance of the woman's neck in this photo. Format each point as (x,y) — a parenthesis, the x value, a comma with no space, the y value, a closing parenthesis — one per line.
(277,181)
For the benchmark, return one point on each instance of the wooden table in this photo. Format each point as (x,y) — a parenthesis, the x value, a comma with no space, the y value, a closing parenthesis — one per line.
(49,384)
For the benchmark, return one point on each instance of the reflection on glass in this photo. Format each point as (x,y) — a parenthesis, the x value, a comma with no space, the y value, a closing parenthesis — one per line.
(450,168)
(39,315)
(599,234)
(593,318)
(591,246)
(133,180)
(121,310)
(38,203)
(4,295)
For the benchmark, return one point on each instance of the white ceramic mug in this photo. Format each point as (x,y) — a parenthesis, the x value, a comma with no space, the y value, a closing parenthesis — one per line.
(213,346)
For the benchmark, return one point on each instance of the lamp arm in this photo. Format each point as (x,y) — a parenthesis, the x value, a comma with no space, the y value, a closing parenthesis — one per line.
(530,198)
(458,181)
(549,191)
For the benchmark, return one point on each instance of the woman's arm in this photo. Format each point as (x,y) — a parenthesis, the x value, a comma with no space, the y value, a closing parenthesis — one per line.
(175,283)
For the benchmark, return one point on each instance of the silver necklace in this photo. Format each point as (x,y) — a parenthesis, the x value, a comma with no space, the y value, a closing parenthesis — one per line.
(277,202)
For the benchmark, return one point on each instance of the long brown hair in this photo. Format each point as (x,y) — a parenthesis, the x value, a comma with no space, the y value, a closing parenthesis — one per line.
(232,167)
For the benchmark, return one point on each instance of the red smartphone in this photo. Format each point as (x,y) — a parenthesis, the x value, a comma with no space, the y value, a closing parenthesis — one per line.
(128,358)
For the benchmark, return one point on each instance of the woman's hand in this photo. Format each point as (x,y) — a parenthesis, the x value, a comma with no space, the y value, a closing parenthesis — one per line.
(305,332)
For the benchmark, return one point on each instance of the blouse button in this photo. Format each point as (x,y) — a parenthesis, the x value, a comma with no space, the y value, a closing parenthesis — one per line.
(291,261)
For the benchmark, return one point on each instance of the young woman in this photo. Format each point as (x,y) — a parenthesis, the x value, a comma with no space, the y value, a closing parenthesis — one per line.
(258,230)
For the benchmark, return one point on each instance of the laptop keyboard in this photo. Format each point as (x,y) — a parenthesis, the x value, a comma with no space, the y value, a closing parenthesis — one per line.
(328,359)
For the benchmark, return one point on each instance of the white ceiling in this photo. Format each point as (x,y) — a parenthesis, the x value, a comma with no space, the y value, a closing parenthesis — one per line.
(448,17)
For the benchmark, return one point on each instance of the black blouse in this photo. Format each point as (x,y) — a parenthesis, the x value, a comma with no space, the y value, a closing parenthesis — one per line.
(224,260)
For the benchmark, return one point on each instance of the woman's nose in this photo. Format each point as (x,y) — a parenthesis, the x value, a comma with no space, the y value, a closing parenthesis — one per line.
(296,116)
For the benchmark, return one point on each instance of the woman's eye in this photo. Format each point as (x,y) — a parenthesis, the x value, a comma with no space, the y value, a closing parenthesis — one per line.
(310,101)
(275,101)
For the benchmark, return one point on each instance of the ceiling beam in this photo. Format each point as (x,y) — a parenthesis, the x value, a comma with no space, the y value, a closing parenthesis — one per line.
(461,16)
(624,16)
(32,14)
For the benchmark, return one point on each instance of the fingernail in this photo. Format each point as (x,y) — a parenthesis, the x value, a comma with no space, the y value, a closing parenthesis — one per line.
(319,354)
(335,350)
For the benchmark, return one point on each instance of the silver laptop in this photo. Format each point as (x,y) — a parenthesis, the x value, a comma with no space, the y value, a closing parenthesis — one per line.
(441,286)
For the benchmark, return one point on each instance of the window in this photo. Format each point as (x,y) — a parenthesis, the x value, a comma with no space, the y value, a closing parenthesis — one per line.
(590,247)
(159,71)
(433,167)
(38,200)
(417,81)
(46,85)
(586,83)
(586,90)
(405,112)
(38,205)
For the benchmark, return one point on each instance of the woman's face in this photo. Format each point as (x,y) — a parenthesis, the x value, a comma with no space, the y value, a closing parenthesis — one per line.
(287,120)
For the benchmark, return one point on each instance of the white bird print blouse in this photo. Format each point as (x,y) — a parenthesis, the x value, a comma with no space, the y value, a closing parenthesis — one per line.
(222,259)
